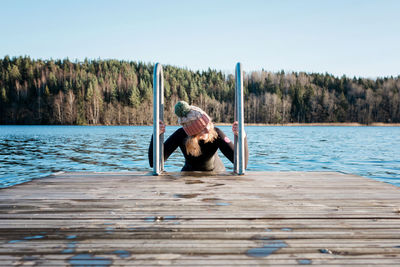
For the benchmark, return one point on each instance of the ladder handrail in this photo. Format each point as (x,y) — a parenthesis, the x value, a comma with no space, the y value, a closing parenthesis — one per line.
(239,159)
(158,114)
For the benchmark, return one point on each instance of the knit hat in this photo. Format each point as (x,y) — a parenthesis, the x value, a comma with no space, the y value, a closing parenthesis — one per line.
(193,119)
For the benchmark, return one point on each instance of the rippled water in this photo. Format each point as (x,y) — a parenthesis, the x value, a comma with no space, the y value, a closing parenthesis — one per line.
(28,152)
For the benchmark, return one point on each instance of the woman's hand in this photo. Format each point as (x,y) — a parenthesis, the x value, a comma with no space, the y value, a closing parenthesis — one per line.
(235,129)
(162,127)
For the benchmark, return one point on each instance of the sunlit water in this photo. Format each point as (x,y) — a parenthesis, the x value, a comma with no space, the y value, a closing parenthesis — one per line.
(28,152)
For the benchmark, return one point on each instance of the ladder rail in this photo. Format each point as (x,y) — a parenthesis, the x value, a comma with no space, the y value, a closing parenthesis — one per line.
(239,158)
(158,115)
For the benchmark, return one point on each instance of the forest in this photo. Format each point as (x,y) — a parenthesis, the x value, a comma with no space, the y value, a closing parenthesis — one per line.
(115,92)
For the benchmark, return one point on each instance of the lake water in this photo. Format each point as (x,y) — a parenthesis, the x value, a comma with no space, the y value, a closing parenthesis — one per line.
(28,152)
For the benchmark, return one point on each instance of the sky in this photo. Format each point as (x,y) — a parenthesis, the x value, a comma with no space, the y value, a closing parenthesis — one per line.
(341,37)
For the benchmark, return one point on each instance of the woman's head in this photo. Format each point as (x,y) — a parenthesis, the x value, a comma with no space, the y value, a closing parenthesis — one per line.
(204,134)
(197,125)
(193,119)
(208,134)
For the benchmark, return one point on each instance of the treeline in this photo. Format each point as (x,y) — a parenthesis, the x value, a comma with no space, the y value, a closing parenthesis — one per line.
(113,92)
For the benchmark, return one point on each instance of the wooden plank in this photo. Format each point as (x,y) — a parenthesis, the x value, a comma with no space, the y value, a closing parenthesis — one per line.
(318,218)
(230,260)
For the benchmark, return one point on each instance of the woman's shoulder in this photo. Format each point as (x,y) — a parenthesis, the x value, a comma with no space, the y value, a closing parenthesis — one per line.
(177,137)
(180,132)
(219,132)
(222,138)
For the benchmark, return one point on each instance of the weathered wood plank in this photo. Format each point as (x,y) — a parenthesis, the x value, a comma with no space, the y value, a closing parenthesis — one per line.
(319,218)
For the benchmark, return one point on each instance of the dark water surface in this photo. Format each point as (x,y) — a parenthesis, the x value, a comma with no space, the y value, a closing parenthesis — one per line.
(28,152)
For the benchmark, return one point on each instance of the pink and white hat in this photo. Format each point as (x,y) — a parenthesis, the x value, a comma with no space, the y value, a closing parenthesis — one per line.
(193,119)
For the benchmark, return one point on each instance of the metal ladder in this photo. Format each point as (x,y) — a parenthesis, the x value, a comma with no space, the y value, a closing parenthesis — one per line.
(158,114)
(239,159)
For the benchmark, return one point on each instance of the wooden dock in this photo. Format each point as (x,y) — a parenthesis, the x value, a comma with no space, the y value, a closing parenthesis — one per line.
(189,219)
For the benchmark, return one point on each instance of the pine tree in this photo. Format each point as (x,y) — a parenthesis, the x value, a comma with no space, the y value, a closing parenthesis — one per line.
(4,98)
(134,97)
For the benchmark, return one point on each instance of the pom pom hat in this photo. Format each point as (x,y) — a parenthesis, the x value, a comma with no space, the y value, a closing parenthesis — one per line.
(192,118)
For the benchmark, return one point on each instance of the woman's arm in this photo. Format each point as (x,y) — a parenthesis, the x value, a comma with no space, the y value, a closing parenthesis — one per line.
(169,146)
(226,145)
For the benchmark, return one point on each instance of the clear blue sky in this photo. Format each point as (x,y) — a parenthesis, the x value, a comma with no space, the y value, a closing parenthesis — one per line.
(352,37)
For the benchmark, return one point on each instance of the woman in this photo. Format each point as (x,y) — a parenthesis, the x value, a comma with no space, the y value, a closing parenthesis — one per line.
(198,140)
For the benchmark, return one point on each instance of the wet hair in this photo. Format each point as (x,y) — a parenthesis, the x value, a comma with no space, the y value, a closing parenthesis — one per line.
(192,142)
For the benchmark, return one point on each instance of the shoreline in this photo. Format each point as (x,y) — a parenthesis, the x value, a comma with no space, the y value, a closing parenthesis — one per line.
(344,124)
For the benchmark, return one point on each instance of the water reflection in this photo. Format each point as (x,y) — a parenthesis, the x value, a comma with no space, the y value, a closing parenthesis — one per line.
(28,152)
